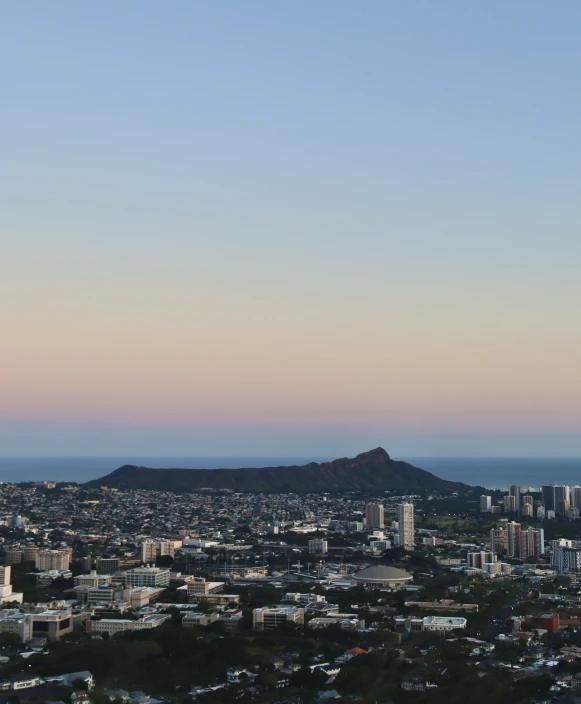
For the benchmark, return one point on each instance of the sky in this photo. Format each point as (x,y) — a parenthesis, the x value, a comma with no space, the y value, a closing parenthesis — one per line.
(303,228)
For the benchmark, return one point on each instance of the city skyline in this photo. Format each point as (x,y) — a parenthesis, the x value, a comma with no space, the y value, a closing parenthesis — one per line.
(263,230)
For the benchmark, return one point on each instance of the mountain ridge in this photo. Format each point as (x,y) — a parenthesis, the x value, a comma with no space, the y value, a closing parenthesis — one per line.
(373,470)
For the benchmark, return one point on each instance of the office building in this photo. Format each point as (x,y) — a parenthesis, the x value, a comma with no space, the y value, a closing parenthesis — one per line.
(561,500)
(575,496)
(318,546)
(146,577)
(53,623)
(406,526)
(485,503)
(52,560)
(93,579)
(527,510)
(573,513)
(548,493)
(541,513)
(270,617)
(199,585)
(527,499)
(374,516)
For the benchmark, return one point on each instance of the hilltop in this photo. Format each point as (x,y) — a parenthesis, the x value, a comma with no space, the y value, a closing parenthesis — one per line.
(369,471)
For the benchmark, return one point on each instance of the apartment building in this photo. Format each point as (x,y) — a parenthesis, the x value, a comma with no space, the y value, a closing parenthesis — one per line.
(374,516)
(52,560)
(406,526)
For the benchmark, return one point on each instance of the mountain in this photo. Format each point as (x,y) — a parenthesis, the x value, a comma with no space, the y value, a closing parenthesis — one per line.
(369,471)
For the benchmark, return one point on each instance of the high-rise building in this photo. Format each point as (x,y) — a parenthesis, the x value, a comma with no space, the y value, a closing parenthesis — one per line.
(548,492)
(573,513)
(531,543)
(374,516)
(575,496)
(514,490)
(485,503)
(566,559)
(527,499)
(561,506)
(541,513)
(499,540)
(513,538)
(509,503)
(406,526)
(527,510)
(148,552)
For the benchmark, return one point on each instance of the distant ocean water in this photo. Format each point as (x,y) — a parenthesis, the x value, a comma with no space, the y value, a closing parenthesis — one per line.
(491,472)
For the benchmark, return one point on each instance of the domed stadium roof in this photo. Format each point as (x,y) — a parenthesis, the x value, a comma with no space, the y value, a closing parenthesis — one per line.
(383,573)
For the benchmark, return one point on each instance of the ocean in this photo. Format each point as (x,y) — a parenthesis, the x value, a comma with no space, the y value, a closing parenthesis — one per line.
(491,472)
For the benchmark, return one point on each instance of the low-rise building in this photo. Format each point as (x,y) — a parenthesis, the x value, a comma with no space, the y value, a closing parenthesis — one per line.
(118,625)
(13,621)
(269,617)
(443,623)
(53,623)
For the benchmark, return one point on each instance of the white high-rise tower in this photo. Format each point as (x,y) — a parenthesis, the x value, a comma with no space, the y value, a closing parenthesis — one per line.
(406,526)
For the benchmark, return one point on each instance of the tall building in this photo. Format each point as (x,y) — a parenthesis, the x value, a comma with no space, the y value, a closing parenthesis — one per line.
(527,499)
(498,540)
(514,490)
(575,496)
(485,503)
(531,543)
(513,538)
(548,492)
(374,516)
(527,510)
(148,552)
(406,526)
(509,503)
(146,577)
(561,500)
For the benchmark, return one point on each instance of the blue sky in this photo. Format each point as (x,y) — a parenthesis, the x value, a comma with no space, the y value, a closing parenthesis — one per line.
(290,228)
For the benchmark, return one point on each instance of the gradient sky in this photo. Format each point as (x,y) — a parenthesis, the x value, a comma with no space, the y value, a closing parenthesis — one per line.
(290,228)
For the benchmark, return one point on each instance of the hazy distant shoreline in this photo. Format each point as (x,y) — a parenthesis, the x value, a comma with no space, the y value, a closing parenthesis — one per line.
(491,472)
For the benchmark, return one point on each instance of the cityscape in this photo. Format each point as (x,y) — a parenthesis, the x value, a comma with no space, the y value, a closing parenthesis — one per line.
(312,590)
